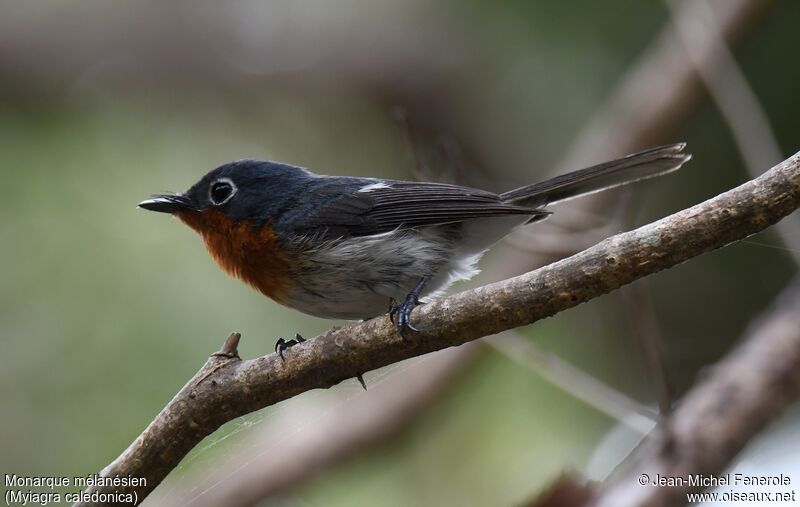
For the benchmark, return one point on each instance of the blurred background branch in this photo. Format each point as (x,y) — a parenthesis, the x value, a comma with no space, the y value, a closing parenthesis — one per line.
(706,49)
(738,397)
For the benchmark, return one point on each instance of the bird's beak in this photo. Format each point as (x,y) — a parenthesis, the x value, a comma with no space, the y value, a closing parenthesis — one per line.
(167,203)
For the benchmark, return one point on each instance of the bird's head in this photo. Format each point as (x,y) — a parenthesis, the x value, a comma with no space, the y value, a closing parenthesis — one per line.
(233,207)
(244,191)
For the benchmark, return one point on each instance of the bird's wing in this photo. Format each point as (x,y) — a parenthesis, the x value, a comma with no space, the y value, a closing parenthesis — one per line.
(375,206)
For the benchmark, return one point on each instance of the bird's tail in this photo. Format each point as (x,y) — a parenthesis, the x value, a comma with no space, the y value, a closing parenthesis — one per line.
(639,166)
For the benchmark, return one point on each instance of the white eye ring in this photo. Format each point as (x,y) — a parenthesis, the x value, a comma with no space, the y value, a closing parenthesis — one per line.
(224,181)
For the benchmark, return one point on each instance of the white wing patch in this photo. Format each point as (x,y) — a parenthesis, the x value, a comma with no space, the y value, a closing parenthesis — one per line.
(374,186)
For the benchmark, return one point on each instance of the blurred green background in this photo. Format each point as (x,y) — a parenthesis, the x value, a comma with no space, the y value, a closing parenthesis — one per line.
(106,310)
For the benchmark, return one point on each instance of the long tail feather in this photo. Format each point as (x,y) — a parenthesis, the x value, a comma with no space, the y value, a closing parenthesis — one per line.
(639,166)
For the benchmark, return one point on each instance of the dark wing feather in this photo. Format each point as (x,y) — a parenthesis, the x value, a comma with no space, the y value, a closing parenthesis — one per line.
(401,204)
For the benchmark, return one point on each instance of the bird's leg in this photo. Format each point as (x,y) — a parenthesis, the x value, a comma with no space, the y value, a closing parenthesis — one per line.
(403,311)
(282,344)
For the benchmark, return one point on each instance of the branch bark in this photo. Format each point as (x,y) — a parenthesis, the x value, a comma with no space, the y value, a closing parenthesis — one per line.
(330,437)
(227,387)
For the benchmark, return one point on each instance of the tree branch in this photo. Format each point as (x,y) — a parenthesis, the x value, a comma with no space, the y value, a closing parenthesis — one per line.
(228,387)
(291,449)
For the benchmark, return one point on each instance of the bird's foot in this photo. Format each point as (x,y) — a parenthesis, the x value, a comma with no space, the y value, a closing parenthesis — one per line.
(282,344)
(400,315)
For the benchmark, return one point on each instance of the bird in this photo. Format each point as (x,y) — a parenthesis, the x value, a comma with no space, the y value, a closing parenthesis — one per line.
(355,248)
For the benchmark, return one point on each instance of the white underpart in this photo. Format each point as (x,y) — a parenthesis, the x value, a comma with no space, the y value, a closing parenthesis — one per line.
(462,268)
(374,186)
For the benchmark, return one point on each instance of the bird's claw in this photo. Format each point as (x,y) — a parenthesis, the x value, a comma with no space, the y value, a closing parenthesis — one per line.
(403,311)
(392,309)
(400,315)
(283,344)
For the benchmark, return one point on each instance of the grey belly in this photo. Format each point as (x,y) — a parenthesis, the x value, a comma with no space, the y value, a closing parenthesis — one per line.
(355,278)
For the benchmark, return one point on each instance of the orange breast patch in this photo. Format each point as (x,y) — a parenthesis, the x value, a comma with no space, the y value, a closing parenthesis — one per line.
(252,256)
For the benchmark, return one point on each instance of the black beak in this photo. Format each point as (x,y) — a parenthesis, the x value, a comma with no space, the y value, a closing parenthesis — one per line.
(167,203)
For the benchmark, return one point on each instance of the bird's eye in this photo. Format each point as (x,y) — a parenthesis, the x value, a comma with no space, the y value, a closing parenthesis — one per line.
(221,191)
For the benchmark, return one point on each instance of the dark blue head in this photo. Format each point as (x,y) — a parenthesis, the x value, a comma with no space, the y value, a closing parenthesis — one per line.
(253,190)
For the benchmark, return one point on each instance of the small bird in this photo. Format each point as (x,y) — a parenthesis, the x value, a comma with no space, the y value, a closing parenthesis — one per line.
(349,248)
